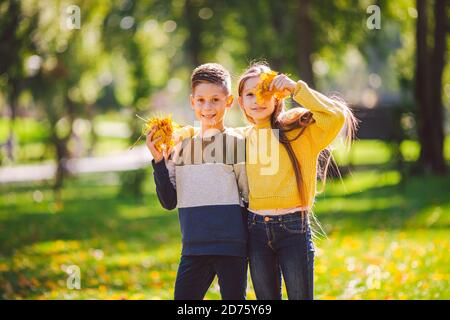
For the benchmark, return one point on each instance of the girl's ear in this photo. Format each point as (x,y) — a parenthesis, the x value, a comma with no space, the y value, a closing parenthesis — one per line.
(240,102)
(191,99)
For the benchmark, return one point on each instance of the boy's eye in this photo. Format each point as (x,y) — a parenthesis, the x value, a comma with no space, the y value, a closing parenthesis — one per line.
(215,100)
(201,100)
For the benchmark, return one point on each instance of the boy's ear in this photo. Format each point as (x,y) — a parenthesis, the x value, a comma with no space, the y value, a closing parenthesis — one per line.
(191,99)
(230,100)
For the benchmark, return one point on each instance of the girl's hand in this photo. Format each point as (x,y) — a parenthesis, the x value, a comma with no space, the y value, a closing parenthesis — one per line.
(157,155)
(283,83)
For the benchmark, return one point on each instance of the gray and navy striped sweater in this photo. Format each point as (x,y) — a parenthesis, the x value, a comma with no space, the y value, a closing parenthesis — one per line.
(206,179)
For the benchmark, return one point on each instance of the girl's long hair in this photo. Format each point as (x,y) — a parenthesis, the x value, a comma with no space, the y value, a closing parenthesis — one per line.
(326,159)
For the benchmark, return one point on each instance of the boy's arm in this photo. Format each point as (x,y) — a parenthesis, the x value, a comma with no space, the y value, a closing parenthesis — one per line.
(328,114)
(239,168)
(164,176)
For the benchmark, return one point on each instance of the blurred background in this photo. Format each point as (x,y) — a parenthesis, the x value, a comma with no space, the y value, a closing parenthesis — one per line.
(79,217)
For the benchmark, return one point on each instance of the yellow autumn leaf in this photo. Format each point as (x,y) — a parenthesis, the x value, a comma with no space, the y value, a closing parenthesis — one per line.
(165,128)
(263,92)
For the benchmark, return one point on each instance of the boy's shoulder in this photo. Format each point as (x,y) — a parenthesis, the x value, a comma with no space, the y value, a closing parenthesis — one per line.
(185,132)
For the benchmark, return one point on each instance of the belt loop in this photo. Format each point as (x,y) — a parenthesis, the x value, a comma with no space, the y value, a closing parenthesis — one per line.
(303,220)
(308,222)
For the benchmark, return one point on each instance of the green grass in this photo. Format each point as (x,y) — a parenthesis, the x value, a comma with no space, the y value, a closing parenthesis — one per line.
(377,152)
(386,240)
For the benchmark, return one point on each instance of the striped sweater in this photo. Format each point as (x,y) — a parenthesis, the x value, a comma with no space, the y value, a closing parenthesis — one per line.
(206,179)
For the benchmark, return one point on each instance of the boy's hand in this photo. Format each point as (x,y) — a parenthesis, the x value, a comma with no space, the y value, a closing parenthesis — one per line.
(283,83)
(157,155)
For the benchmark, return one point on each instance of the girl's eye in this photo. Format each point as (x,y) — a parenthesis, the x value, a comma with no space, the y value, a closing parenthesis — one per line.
(250,94)
(200,100)
(215,100)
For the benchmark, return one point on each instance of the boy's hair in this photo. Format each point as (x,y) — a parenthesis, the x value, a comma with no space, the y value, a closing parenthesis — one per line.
(211,73)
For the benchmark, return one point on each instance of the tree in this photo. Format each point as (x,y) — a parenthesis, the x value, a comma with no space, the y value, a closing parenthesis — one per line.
(305,49)
(430,62)
(15,42)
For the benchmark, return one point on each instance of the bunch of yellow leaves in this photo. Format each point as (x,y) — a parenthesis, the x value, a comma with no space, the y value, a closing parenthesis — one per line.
(263,91)
(164,129)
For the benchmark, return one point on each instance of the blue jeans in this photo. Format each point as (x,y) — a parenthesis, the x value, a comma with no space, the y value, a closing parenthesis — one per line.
(196,273)
(281,245)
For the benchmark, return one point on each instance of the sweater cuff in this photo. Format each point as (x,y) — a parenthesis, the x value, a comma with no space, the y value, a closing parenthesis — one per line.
(159,168)
(298,88)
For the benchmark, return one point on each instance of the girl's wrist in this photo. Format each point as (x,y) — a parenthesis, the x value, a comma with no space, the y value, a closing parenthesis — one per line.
(292,85)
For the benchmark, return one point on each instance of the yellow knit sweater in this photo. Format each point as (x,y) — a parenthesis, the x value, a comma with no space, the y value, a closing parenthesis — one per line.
(277,189)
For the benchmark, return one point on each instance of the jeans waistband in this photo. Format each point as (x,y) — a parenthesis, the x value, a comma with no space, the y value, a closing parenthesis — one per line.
(299,215)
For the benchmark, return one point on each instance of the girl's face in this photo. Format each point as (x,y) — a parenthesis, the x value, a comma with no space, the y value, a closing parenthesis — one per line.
(247,101)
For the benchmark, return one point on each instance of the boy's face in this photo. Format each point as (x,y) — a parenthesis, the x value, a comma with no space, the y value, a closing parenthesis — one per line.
(210,101)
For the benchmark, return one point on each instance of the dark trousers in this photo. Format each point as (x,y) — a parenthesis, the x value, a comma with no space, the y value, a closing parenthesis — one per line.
(196,273)
(281,245)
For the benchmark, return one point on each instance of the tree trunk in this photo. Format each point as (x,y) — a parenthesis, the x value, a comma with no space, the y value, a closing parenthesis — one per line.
(277,9)
(61,145)
(305,42)
(429,67)
(193,42)
(440,47)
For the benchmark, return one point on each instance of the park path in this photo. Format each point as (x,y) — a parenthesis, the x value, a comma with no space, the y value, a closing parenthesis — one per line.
(138,157)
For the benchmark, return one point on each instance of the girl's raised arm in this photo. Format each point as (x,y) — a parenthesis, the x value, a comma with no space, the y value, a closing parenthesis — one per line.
(328,114)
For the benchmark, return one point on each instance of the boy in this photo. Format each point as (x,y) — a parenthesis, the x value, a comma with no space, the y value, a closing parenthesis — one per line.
(205,176)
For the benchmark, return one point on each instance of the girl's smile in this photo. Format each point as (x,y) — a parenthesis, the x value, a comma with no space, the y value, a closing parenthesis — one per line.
(258,108)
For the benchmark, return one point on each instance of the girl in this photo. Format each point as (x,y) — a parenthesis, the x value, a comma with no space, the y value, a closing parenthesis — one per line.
(280,203)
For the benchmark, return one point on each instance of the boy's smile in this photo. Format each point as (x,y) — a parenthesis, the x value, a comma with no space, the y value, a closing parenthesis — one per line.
(209,116)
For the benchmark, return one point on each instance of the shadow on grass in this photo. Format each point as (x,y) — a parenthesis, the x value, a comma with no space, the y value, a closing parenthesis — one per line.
(95,212)
(104,217)
(418,202)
